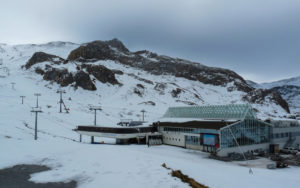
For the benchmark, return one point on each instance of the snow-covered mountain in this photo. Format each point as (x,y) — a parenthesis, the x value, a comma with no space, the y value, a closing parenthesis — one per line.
(106,73)
(289,89)
(253,84)
(285,82)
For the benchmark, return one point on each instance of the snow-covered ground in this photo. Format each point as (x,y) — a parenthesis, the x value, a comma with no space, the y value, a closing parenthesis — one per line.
(134,165)
(110,165)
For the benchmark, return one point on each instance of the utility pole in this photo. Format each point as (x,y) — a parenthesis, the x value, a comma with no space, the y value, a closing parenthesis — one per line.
(22,99)
(60,91)
(13,85)
(143,111)
(37,99)
(95,108)
(36,111)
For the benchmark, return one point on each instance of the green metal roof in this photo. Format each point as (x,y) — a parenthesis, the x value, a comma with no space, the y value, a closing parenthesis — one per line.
(220,112)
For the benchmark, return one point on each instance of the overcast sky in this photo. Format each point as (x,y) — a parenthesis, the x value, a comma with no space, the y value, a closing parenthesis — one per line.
(259,39)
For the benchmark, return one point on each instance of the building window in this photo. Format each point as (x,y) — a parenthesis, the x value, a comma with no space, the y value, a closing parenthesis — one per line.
(246,132)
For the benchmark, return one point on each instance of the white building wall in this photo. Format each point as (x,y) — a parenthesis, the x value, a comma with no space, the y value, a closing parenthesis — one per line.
(175,139)
(295,131)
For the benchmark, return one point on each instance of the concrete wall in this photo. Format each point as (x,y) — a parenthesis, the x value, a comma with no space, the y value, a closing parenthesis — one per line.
(224,151)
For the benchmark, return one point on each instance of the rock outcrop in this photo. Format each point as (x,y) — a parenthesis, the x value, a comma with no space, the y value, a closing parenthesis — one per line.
(102,73)
(40,57)
(63,77)
(83,80)
(97,50)
(60,76)
(114,50)
(157,64)
(262,95)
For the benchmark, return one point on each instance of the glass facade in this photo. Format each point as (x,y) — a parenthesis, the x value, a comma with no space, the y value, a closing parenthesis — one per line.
(177,129)
(246,132)
(232,111)
(193,140)
(189,130)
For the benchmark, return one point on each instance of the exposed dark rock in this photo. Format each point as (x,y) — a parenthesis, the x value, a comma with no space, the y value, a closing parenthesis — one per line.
(148,103)
(261,95)
(186,102)
(60,76)
(287,90)
(98,50)
(138,92)
(160,65)
(117,72)
(64,78)
(140,86)
(197,96)
(39,57)
(160,87)
(230,89)
(115,43)
(146,53)
(141,79)
(102,73)
(38,70)
(83,80)
(176,92)
(291,94)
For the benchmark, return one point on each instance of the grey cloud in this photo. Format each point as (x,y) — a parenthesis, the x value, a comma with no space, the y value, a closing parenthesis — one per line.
(258,39)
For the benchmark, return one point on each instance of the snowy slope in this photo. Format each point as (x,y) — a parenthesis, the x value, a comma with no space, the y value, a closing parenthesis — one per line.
(291,81)
(111,165)
(289,89)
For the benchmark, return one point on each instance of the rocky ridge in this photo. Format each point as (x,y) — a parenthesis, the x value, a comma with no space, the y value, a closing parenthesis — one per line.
(86,72)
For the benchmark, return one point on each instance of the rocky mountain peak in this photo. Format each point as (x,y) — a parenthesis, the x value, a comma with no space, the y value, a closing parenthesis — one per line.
(116,43)
(39,57)
(94,50)
(87,63)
